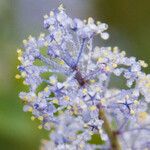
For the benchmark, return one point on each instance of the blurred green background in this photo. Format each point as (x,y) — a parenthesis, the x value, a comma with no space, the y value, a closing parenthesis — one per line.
(129,23)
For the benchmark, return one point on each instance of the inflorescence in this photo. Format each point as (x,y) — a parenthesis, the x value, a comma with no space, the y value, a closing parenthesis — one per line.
(69,87)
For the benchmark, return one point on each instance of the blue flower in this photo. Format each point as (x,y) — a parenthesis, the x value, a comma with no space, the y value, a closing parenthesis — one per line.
(69,85)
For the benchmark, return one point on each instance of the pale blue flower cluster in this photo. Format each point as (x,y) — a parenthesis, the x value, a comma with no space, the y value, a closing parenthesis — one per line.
(69,83)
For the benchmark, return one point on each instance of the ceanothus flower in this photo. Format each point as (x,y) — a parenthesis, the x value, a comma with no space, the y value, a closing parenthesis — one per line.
(70,90)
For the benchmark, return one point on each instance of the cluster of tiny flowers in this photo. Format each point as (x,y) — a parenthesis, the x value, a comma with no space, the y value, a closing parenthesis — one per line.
(69,83)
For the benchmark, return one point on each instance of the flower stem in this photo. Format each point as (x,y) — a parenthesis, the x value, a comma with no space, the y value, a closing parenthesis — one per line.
(113,135)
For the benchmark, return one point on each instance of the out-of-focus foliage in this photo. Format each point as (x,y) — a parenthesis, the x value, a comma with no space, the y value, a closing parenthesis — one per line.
(129,23)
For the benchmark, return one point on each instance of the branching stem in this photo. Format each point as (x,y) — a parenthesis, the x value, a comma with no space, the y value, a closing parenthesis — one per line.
(113,135)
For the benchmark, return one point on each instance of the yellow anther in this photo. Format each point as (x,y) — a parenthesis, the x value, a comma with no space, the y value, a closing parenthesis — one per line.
(30,37)
(90,132)
(24,42)
(46,44)
(92,108)
(66,98)
(19,51)
(100,131)
(136,102)
(127,96)
(84,91)
(114,65)
(109,48)
(40,95)
(66,85)
(40,118)
(24,83)
(72,138)
(90,20)
(71,112)
(103,101)
(132,112)
(123,53)
(61,7)
(46,89)
(85,125)
(75,110)
(42,35)
(23,74)
(97,49)
(143,64)
(40,127)
(46,124)
(58,37)
(61,62)
(45,16)
(98,22)
(147,85)
(55,101)
(32,98)
(61,112)
(85,21)
(142,116)
(17,76)
(20,58)
(107,68)
(81,103)
(98,89)
(51,27)
(100,59)
(25,98)
(115,49)
(51,13)
(81,146)
(105,53)
(30,109)
(69,107)
(52,81)
(32,118)
(92,81)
